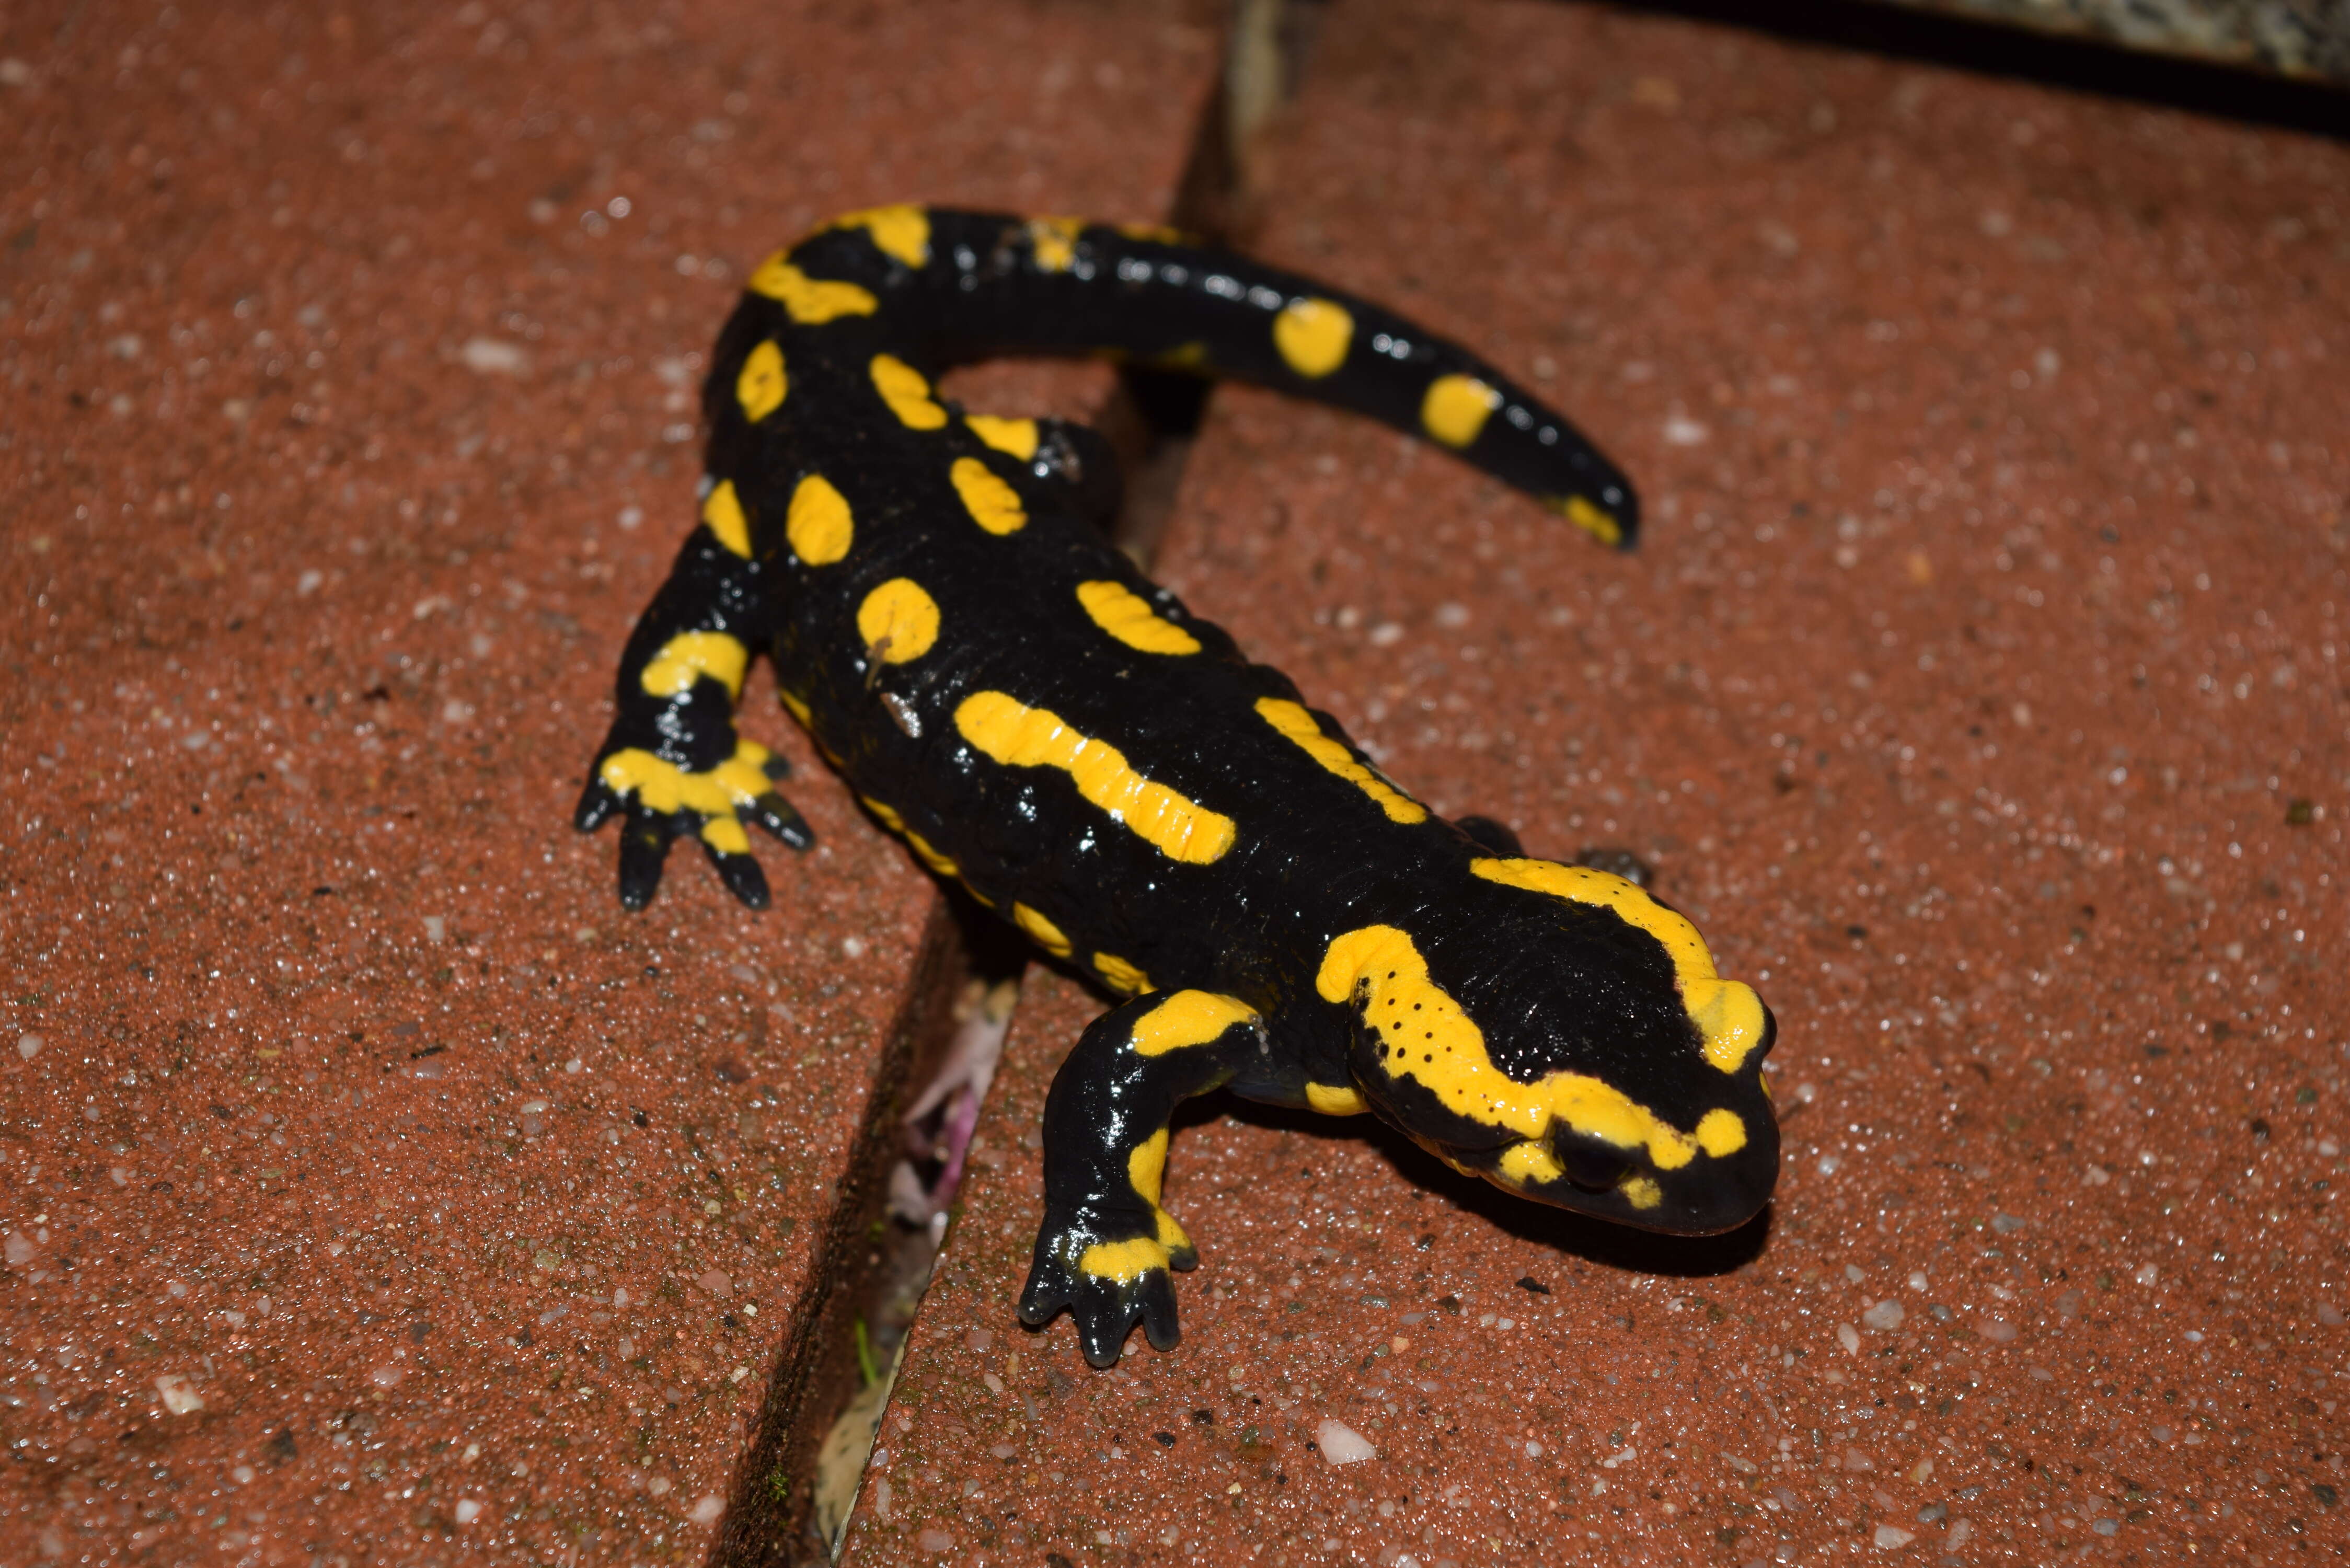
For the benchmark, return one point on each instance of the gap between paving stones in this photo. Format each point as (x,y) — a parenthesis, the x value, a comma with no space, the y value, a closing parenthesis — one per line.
(831,1388)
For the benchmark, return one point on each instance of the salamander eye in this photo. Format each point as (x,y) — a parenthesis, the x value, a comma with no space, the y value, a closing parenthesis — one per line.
(1591,1165)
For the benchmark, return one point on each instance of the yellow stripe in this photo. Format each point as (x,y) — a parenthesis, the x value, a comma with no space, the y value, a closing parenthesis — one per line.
(992,504)
(1188,1018)
(663,787)
(760,385)
(1293,721)
(1014,734)
(721,509)
(908,394)
(1121,974)
(691,655)
(1727,1015)
(1043,932)
(902,231)
(809,301)
(1125,1261)
(1128,617)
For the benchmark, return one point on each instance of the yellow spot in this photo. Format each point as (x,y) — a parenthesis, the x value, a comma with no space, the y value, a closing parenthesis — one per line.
(897,621)
(761,385)
(818,523)
(942,864)
(1157,234)
(1336,1099)
(1188,1018)
(1190,356)
(1146,1167)
(1125,1261)
(691,655)
(1529,1163)
(809,301)
(1055,241)
(663,786)
(901,232)
(1015,437)
(725,834)
(992,504)
(906,391)
(1721,1132)
(1455,408)
(1294,722)
(1424,1035)
(1313,336)
(721,509)
(1041,931)
(1727,1015)
(1128,617)
(1017,734)
(1121,974)
(1642,1193)
(1593,521)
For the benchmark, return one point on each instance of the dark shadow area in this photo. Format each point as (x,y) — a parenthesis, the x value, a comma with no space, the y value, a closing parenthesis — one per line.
(2078,64)
(1561,1231)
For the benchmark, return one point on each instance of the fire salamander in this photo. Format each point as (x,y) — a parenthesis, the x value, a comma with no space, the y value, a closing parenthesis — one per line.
(1041,724)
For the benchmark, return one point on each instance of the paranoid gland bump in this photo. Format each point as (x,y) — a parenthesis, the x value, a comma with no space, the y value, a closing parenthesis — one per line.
(1040,929)
(992,504)
(817,523)
(1295,722)
(898,621)
(901,232)
(1727,1015)
(1313,336)
(1188,1018)
(1014,438)
(1455,409)
(1128,617)
(760,385)
(722,510)
(691,655)
(809,301)
(907,392)
(1013,733)
(1441,1048)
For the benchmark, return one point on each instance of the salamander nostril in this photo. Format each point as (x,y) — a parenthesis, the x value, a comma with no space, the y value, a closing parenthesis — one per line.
(1592,1166)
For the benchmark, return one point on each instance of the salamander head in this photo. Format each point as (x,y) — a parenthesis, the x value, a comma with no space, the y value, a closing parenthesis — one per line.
(1559,1033)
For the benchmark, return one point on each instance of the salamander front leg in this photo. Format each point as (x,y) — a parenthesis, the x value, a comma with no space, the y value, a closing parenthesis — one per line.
(1108,1249)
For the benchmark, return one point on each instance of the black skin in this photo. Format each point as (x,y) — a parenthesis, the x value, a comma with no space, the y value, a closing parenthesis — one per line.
(1556,986)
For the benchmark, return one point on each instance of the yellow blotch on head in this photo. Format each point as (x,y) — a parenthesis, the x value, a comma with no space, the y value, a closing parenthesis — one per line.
(1128,617)
(1012,733)
(809,301)
(1727,1015)
(1720,1132)
(1121,975)
(1455,409)
(1294,722)
(1313,336)
(1040,929)
(898,621)
(661,785)
(691,655)
(1014,438)
(1188,1018)
(901,232)
(721,509)
(907,392)
(1055,240)
(795,705)
(992,504)
(1336,1099)
(760,385)
(817,523)
(1591,519)
(1426,1036)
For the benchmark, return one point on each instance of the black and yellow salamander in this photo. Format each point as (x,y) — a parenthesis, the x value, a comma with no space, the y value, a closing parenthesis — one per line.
(1040,723)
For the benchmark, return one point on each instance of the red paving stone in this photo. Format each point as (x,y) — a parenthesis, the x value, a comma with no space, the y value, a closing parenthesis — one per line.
(376,1191)
(1977,692)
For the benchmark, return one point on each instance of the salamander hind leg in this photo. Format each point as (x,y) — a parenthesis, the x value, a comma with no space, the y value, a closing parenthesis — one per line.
(1107,1250)
(674,767)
